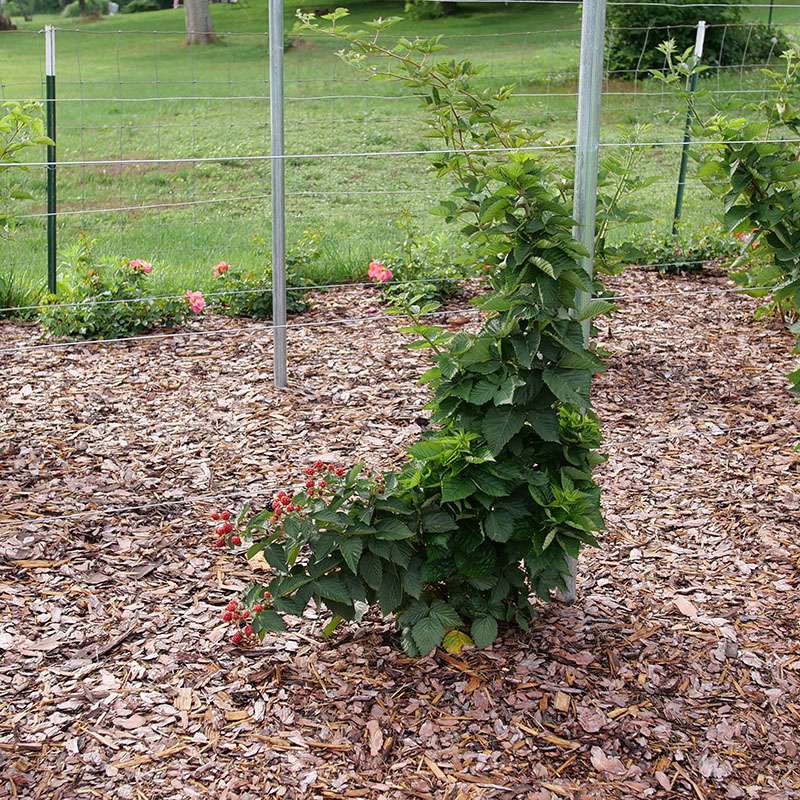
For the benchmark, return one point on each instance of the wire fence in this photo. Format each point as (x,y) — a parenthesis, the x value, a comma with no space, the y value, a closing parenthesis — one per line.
(163,151)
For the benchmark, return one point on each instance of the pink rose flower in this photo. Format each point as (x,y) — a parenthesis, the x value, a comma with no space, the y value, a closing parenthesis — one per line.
(221,268)
(378,272)
(196,301)
(138,265)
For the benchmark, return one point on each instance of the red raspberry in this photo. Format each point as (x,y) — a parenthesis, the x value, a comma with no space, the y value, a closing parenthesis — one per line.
(236,638)
(331,468)
(236,540)
(276,504)
(309,484)
(308,471)
(248,630)
(226,515)
(220,530)
(245,614)
(231,605)
(258,608)
(339,471)
(228,527)
(266,595)
(318,465)
(227,616)
(215,515)
(219,543)
(322,484)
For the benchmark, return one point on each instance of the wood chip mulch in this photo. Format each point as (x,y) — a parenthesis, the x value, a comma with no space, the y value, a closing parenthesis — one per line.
(675,675)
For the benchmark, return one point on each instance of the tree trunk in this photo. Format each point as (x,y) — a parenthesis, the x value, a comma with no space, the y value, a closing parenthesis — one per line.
(82,7)
(199,29)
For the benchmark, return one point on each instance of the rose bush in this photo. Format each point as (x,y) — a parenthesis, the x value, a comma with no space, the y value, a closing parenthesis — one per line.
(109,299)
(499,492)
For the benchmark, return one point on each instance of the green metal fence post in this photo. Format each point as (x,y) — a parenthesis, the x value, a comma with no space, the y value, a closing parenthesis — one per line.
(50,109)
(687,130)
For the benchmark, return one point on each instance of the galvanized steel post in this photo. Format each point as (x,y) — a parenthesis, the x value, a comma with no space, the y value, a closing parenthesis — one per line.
(587,152)
(278,207)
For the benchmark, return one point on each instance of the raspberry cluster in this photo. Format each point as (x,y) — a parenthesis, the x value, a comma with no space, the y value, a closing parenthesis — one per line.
(224,529)
(242,619)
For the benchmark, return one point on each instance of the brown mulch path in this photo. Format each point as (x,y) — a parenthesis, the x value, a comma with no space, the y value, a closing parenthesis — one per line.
(675,675)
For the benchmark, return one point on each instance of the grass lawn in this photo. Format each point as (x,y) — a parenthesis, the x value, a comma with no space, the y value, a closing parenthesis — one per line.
(123,84)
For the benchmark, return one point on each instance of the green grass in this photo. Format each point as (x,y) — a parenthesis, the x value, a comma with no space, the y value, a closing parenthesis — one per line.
(106,68)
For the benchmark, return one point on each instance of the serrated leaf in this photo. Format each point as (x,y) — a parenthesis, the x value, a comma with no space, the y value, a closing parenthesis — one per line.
(455,641)
(333,588)
(595,308)
(444,614)
(351,549)
(371,568)
(484,631)
(392,530)
(499,525)
(570,386)
(428,634)
(500,425)
(454,487)
(268,621)
(390,592)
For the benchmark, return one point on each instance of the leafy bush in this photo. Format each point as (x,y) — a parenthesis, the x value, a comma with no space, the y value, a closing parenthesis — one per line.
(421,272)
(138,6)
(92,8)
(683,253)
(629,34)
(21,129)
(109,299)
(499,492)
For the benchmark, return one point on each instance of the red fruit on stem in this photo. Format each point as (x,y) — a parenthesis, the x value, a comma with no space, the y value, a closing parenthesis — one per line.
(258,608)
(215,515)
(231,605)
(308,471)
(236,540)
(322,484)
(236,638)
(248,630)
(220,530)
(318,464)
(309,484)
(266,595)
(219,543)
(245,614)
(227,616)
(228,527)
(339,471)
(226,515)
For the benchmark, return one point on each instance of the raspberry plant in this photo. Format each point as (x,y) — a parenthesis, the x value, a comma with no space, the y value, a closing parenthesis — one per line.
(499,491)
(757,176)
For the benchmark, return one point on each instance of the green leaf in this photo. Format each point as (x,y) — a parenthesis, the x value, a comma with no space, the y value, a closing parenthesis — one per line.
(371,568)
(351,550)
(268,621)
(438,522)
(569,385)
(595,308)
(444,614)
(499,425)
(333,588)
(454,487)
(545,422)
(499,525)
(484,631)
(428,634)
(392,529)
(390,592)
(335,622)
(412,578)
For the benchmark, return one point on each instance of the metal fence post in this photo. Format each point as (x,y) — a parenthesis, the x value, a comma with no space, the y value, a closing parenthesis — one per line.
(277,173)
(587,161)
(687,130)
(50,117)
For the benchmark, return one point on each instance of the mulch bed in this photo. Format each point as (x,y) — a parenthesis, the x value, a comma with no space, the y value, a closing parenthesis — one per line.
(675,675)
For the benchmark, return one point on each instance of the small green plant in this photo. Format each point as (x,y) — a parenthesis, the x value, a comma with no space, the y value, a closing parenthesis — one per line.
(21,129)
(100,299)
(420,271)
(91,8)
(18,300)
(690,252)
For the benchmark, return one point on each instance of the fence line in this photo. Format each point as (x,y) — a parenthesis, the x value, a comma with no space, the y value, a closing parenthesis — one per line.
(350,320)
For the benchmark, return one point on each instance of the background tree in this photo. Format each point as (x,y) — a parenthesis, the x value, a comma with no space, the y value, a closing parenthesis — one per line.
(199,27)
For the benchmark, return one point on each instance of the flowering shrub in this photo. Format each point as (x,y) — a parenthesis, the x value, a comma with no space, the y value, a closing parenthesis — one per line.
(421,272)
(109,299)
(243,293)
(499,491)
